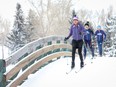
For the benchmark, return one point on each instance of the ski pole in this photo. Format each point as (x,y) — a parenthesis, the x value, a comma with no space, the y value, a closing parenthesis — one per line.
(66,49)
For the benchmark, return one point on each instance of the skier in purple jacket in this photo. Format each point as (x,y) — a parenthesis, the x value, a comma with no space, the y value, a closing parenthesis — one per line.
(76,31)
(101,37)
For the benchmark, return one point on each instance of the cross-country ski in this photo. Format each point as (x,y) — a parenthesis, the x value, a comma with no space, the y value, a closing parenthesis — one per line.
(69,71)
(80,69)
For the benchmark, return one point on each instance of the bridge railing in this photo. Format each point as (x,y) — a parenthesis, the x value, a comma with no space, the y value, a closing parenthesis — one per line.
(31,47)
(44,52)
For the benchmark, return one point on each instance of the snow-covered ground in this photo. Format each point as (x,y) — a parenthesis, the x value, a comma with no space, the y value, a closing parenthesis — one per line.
(101,73)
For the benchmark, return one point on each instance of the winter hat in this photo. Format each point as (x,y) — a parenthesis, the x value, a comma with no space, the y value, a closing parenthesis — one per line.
(86,24)
(75,18)
(98,27)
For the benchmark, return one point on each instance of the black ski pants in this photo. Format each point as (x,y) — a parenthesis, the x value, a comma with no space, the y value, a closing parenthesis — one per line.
(77,44)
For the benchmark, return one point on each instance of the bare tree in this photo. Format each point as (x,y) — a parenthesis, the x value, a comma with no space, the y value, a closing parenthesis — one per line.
(110,11)
(33,26)
(63,14)
(52,15)
(39,6)
(4,29)
(82,14)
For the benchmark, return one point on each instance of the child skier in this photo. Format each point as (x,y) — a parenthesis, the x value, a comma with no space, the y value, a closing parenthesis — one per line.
(101,36)
(87,40)
(76,31)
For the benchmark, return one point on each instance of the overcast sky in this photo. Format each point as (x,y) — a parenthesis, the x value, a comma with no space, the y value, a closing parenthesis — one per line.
(94,4)
(8,7)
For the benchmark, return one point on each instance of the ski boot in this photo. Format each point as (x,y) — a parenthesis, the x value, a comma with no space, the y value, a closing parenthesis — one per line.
(73,65)
(82,64)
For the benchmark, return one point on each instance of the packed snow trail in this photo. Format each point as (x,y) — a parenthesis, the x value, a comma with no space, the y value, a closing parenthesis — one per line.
(101,73)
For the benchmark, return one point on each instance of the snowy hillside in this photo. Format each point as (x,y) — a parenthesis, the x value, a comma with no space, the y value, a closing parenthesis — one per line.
(101,73)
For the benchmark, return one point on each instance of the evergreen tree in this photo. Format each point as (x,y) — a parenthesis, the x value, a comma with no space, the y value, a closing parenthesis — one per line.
(73,15)
(111,35)
(31,26)
(17,37)
(110,28)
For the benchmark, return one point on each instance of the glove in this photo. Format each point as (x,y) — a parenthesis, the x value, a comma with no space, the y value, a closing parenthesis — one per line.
(66,38)
(104,40)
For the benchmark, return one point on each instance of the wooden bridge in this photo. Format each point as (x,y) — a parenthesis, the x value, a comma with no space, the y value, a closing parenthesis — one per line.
(34,56)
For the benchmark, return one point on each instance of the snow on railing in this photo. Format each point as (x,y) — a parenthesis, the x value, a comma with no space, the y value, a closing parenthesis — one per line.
(31,47)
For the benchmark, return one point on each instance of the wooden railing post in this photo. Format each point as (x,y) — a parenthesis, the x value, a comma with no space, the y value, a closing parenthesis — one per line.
(2,71)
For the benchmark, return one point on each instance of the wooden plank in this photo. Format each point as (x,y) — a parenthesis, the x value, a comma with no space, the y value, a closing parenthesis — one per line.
(33,56)
(33,45)
(35,66)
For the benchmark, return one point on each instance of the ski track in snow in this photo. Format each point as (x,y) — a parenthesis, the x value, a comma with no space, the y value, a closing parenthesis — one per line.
(101,73)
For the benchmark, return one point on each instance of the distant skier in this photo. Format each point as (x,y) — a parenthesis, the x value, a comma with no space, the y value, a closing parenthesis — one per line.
(101,37)
(88,40)
(76,31)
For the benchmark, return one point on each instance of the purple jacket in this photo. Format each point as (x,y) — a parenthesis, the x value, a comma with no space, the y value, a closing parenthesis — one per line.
(77,32)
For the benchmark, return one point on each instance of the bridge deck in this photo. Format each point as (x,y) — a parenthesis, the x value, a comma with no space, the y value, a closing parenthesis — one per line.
(99,74)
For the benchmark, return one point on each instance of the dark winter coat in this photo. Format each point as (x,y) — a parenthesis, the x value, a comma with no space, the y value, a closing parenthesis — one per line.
(88,34)
(101,36)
